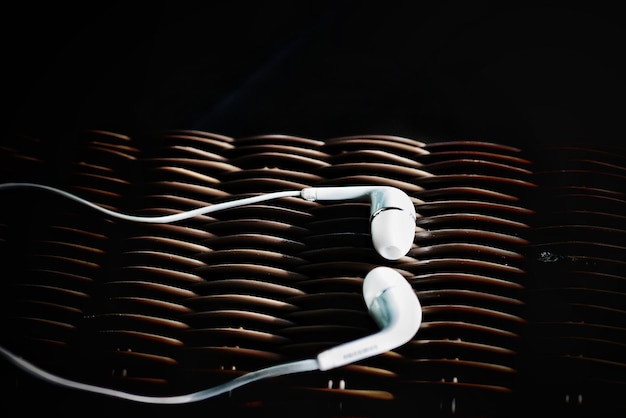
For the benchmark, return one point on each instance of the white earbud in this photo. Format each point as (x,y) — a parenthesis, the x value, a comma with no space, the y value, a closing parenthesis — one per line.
(393,304)
(392,215)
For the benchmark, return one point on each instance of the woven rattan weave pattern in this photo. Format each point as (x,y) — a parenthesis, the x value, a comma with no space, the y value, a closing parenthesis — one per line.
(518,261)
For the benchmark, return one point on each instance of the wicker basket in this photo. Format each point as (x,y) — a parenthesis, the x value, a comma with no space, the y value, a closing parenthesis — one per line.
(518,261)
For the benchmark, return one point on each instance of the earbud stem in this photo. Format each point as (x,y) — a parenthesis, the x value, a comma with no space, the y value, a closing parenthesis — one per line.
(353,351)
(381,197)
(395,308)
(314,194)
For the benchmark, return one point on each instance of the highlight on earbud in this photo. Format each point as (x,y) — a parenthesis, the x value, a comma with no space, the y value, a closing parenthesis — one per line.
(392,215)
(394,306)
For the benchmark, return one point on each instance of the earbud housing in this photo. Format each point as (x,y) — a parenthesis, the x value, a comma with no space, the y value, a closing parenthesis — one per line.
(394,306)
(392,215)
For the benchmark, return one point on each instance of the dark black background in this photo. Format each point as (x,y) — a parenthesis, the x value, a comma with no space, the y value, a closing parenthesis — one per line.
(518,72)
(525,73)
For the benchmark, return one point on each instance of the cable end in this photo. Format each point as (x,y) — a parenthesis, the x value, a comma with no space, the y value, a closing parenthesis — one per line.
(309,194)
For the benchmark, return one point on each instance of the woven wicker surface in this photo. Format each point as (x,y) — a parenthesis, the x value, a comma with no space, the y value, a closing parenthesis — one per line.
(518,261)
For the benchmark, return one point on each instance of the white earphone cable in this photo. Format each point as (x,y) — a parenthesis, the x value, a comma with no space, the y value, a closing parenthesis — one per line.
(279,370)
(158,219)
(309,194)
(273,371)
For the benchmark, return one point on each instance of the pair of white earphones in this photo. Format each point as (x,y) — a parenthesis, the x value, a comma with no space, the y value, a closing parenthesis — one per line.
(390,299)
